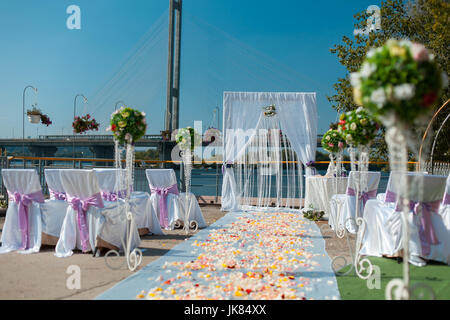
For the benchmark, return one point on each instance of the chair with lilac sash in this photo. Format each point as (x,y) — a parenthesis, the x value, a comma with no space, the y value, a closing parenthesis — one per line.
(168,202)
(428,232)
(377,240)
(23,226)
(89,223)
(440,251)
(343,206)
(53,210)
(141,205)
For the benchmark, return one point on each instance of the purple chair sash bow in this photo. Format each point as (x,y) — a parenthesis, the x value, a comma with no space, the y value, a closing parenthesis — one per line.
(390,196)
(113,196)
(24,201)
(446,199)
(81,206)
(163,192)
(56,195)
(364,196)
(426,230)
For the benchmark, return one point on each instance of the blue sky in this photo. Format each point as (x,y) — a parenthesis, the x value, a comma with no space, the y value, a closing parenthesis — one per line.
(227,45)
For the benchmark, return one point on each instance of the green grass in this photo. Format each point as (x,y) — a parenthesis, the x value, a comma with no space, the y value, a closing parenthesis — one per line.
(434,274)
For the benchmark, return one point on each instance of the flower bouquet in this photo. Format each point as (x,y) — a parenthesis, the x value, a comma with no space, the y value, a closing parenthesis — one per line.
(85,123)
(359,129)
(312,214)
(399,81)
(128,125)
(334,143)
(186,138)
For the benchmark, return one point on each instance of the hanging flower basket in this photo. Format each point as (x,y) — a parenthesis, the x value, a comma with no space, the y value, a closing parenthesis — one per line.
(83,124)
(34,114)
(34,118)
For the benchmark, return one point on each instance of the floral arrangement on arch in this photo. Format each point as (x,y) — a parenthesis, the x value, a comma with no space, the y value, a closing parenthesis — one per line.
(186,137)
(45,119)
(402,78)
(85,123)
(127,125)
(333,142)
(357,127)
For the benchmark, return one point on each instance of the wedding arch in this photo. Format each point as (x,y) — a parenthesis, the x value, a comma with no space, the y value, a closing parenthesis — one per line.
(268,138)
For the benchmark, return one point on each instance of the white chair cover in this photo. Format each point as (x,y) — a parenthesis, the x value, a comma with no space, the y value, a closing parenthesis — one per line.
(54,210)
(24,181)
(108,224)
(441,223)
(383,234)
(343,206)
(176,204)
(141,205)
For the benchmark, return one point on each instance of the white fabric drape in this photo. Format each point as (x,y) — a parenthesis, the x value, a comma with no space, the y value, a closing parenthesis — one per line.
(243,118)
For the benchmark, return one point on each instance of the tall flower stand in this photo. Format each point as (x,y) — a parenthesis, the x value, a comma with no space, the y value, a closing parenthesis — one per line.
(133,258)
(187,171)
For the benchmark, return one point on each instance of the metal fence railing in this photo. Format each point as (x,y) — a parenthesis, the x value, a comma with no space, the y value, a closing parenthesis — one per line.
(206,176)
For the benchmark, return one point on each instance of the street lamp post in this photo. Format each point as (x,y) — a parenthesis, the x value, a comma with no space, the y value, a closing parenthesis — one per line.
(74,114)
(23,118)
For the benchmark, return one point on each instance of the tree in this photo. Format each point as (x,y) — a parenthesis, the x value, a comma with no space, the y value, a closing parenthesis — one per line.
(424,21)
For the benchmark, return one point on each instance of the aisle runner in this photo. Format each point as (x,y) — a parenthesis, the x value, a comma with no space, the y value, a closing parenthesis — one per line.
(257,255)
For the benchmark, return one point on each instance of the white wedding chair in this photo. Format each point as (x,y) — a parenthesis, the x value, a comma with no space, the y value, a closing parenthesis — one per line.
(383,235)
(441,224)
(23,226)
(343,206)
(53,210)
(163,186)
(104,225)
(141,205)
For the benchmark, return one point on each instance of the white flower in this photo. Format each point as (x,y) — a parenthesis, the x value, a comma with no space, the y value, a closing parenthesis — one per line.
(419,52)
(359,110)
(367,69)
(349,138)
(334,134)
(404,91)
(371,53)
(327,138)
(355,79)
(405,43)
(353,126)
(378,97)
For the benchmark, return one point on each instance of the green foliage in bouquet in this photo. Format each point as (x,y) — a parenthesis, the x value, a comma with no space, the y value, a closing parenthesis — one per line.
(128,125)
(313,215)
(332,141)
(400,78)
(186,138)
(357,127)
